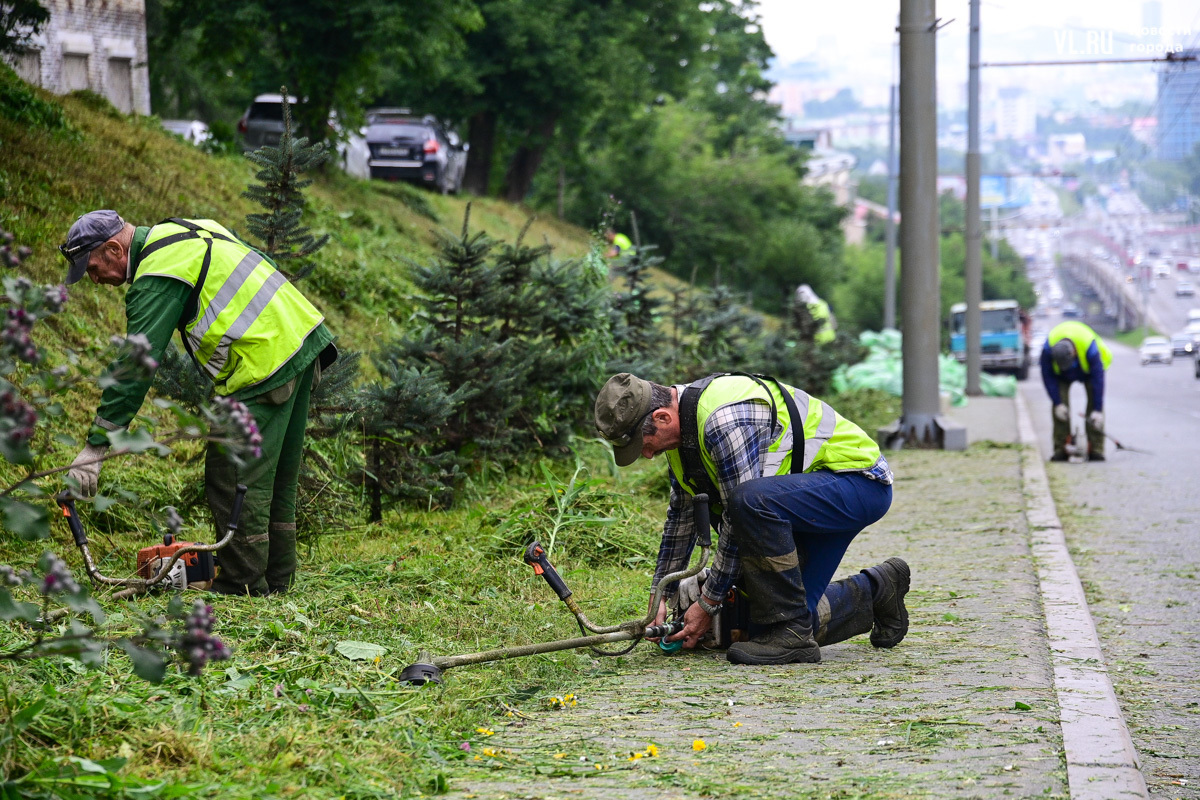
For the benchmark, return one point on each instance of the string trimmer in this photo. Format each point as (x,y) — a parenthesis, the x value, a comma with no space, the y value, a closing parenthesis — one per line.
(1115,442)
(427,669)
(172,564)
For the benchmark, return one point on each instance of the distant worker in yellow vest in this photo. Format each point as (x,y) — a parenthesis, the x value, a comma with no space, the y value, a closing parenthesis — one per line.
(792,482)
(1073,352)
(818,309)
(251,331)
(618,243)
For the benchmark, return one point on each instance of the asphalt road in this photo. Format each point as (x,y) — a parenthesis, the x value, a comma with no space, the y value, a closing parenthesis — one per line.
(1133,527)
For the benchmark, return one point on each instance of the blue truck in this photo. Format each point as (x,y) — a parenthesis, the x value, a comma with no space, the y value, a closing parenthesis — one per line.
(1004,337)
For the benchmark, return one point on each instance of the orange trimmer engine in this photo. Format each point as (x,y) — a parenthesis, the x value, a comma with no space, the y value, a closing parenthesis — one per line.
(194,570)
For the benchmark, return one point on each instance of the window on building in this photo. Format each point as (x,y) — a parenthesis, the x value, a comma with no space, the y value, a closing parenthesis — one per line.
(119,86)
(29,66)
(75,72)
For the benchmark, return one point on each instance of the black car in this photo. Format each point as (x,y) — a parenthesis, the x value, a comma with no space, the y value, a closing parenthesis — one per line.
(411,147)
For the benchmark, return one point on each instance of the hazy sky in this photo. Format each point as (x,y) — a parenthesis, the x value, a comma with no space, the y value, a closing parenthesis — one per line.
(853,39)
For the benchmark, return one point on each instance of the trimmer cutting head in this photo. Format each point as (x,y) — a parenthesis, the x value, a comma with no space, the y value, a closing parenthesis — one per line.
(420,674)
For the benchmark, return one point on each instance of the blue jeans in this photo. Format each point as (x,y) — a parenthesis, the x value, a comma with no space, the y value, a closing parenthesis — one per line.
(791,532)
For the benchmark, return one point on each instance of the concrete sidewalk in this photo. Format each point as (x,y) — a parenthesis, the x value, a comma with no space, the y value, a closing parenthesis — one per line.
(994,693)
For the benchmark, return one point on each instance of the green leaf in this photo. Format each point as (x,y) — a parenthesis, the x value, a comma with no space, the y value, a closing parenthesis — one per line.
(360,651)
(15,453)
(11,609)
(102,503)
(138,441)
(1019,706)
(22,718)
(84,603)
(147,664)
(27,521)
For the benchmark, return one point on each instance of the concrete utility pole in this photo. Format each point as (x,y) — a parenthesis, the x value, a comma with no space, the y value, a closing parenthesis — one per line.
(920,293)
(889,270)
(974,270)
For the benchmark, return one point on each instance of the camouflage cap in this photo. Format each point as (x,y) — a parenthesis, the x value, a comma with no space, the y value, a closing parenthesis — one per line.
(621,407)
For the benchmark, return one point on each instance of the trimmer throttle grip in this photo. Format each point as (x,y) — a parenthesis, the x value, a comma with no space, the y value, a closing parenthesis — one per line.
(700,516)
(235,513)
(67,502)
(666,629)
(535,556)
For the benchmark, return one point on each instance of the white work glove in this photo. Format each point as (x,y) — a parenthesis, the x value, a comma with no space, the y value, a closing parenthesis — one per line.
(1061,412)
(85,469)
(689,591)
(1096,418)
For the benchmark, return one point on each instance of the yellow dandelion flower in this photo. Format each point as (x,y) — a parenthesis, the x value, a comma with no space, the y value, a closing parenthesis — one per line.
(698,745)
(635,756)
(488,751)
(560,755)
(478,758)
(485,731)
(737,724)
(652,751)
(378,660)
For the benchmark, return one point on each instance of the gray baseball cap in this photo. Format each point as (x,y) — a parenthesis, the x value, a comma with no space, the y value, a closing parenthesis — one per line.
(621,407)
(1063,354)
(89,232)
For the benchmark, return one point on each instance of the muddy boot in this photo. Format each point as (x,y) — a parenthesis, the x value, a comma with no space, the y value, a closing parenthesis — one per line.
(889,583)
(844,610)
(784,643)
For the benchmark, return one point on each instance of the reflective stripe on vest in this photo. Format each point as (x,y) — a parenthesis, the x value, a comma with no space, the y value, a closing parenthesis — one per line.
(1082,337)
(831,442)
(250,320)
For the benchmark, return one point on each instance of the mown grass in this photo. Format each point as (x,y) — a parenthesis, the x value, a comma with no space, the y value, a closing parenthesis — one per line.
(289,715)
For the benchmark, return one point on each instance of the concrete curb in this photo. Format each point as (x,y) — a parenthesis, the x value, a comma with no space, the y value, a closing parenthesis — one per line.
(1101,760)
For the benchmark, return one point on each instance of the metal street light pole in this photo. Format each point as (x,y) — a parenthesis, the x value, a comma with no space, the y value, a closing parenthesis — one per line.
(974,267)
(889,271)
(920,294)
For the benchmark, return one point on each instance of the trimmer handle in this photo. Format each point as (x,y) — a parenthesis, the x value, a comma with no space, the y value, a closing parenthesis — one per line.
(666,629)
(701,519)
(535,556)
(67,502)
(235,513)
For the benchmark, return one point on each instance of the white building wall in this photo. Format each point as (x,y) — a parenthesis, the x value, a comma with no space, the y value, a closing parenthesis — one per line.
(92,44)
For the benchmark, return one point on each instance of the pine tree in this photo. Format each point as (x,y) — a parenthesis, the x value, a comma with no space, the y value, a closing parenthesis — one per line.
(280,192)
(641,344)
(728,334)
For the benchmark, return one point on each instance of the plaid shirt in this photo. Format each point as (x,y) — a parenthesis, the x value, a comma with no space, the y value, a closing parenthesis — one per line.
(737,436)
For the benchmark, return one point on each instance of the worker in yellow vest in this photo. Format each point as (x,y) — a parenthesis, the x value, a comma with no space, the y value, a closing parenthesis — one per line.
(823,319)
(792,483)
(247,328)
(1073,352)
(618,243)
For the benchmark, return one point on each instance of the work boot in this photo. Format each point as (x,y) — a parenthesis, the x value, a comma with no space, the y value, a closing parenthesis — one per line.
(1060,455)
(789,642)
(890,582)
(1093,456)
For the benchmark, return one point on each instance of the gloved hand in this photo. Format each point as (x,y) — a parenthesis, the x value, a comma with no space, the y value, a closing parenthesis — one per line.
(689,591)
(1096,418)
(85,469)
(1061,412)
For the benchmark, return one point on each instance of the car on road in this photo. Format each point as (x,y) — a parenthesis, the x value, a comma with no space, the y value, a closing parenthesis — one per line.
(193,131)
(1183,344)
(1071,311)
(1185,289)
(1155,350)
(261,125)
(414,147)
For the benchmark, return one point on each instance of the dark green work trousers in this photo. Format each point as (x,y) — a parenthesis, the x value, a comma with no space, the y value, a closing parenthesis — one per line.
(261,558)
(1062,428)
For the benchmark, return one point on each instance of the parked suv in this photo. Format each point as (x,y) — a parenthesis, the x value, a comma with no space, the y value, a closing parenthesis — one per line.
(262,125)
(412,147)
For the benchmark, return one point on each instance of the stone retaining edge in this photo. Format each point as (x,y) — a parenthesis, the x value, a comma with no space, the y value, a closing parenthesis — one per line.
(1102,762)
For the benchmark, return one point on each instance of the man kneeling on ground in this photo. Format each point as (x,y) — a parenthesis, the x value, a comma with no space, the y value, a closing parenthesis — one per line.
(789,501)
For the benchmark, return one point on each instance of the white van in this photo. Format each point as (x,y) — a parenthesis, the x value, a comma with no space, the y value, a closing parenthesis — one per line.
(1193,315)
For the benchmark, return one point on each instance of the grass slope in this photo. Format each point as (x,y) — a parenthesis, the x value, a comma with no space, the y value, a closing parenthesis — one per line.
(290,715)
